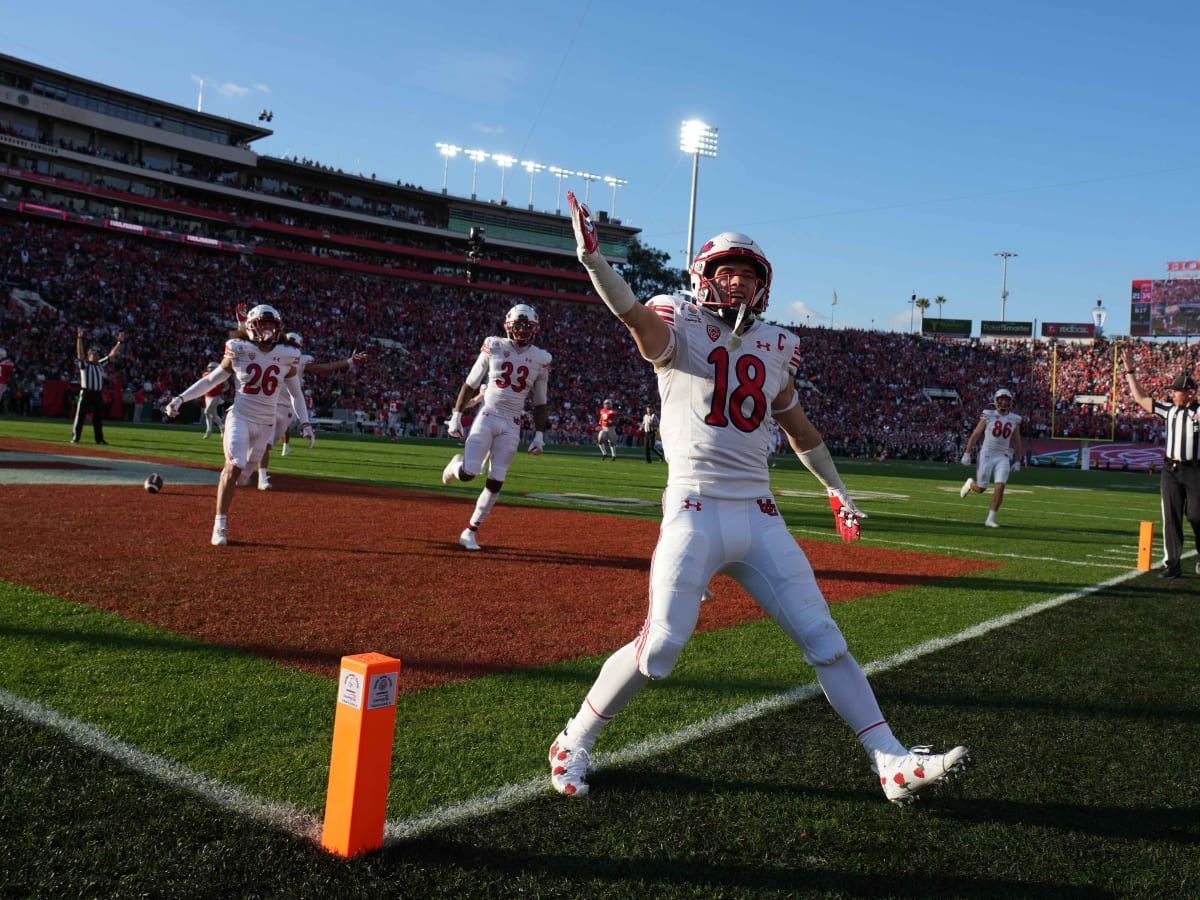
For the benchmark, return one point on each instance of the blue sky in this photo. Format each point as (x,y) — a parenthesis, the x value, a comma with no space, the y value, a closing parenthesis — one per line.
(872,149)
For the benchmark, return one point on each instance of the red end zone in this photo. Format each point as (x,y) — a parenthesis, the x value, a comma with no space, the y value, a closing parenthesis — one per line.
(317,570)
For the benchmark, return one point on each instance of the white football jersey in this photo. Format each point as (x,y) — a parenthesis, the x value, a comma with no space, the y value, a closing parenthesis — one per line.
(513,373)
(259,376)
(998,432)
(716,399)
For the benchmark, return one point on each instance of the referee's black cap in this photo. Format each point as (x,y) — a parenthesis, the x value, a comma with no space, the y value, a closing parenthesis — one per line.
(1183,383)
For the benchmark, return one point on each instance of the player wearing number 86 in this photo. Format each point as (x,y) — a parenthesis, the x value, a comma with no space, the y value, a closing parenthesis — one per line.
(722,375)
(999,436)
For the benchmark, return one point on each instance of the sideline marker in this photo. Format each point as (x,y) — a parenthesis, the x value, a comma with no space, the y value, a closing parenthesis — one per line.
(364,726)
(1145,546)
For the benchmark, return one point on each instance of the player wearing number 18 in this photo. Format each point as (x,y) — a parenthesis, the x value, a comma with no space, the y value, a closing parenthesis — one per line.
(722,375)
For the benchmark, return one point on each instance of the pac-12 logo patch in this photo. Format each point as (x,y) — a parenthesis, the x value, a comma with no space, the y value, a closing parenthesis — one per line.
(714,333)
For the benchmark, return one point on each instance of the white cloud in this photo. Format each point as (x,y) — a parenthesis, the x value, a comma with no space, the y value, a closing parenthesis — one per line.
(231,88)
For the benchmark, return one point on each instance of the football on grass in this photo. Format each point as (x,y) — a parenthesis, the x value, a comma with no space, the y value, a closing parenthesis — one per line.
(153,483)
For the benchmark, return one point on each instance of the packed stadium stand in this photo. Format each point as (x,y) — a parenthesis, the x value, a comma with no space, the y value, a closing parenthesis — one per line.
(121,212)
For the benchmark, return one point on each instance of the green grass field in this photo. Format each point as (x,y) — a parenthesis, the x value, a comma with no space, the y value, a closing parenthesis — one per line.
(154,765)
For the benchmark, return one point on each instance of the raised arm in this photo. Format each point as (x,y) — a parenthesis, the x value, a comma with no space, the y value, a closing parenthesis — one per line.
(349,362)
(1135,388)
(651,334)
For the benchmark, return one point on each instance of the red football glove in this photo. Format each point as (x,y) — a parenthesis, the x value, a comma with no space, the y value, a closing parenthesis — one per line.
(240,314)
(846,518)
(585,229)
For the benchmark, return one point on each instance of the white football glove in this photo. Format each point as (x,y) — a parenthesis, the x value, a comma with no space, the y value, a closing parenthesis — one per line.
(1016,466)
(454,426)
(174,406)
(538,444)
(966,459)
(306,431)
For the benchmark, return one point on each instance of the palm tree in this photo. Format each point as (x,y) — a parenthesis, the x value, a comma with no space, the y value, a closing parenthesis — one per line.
(939,300)
(922,305)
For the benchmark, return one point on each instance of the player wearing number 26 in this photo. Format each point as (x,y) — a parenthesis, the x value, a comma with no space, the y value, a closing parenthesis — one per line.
(722,375)
(261,366)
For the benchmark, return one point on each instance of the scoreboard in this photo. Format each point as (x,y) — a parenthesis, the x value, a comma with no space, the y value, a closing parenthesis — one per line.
(1164,307)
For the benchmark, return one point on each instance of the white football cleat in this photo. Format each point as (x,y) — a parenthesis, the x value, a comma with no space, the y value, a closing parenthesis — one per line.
(219,538)
(905,778)
(467,539)
(450,473)
(965,489)
(991,522)
(264,483)
(569,768)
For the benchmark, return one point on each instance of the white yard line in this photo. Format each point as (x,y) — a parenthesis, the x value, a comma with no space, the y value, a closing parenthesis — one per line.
(307,825)
(280,815)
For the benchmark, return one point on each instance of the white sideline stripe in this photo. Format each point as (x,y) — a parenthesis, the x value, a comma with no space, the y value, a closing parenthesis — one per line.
(303,824)
(959,551)
(514,794)
(279,815)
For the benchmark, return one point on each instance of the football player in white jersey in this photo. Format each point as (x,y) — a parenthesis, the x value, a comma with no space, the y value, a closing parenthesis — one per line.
(1000,453)
(262,368)
(722,375)
(283,409)
(510,369)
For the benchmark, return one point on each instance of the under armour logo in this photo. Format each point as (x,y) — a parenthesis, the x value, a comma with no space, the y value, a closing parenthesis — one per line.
(768,507)
(690,504)
(763,345)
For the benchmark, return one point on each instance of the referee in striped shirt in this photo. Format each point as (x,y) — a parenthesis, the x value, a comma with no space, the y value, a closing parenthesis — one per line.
(1180,484)
(91,383)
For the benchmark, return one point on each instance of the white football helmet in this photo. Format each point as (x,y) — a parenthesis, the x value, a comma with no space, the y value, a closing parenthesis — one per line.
(713,294)
(263,324)
(295,338)
(521,324)
(1003,399)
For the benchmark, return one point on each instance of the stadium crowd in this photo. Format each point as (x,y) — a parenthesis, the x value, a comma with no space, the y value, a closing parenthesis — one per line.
(870,392)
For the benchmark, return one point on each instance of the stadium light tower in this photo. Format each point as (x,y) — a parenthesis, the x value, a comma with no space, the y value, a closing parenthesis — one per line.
(1005,256)
(503,162)
(698,139)
(560,174)
(477,156)
(1099,314)
(449,151)
(587,189)
(532,168)
(614,183)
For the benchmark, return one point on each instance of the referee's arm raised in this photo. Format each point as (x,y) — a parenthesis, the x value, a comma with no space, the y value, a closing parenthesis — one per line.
(1139,396)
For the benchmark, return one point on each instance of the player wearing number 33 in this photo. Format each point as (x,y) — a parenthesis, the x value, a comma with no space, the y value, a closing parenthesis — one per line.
(261,366)
(999,436)
(508,369)
(722,375)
